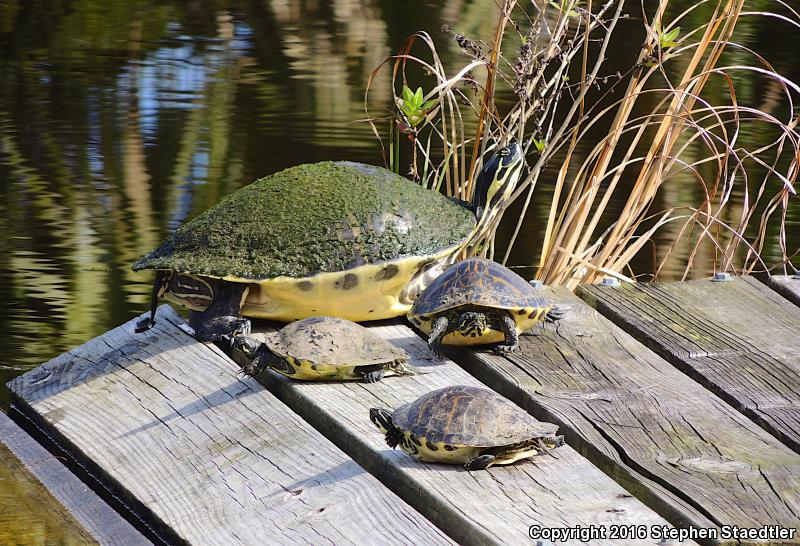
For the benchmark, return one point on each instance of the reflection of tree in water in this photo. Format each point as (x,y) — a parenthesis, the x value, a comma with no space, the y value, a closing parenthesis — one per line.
(119,120)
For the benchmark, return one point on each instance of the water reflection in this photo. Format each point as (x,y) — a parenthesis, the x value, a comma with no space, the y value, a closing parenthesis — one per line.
(120,120)
(29,515)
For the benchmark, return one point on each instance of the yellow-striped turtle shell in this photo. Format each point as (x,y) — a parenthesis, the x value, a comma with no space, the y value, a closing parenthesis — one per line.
(466,425)
(478,283)
(331,348)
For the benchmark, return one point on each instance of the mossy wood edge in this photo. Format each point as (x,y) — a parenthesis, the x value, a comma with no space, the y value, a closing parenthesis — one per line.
(494,506)
(207,457)
(737,338)
(677,446)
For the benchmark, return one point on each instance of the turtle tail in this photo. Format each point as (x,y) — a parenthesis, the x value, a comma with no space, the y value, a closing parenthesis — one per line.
(159,288)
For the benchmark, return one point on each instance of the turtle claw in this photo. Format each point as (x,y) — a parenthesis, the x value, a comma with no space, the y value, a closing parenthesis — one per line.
(558,312)
(250,370)
(393,438)
(505,349)
(374,376)
(435,346)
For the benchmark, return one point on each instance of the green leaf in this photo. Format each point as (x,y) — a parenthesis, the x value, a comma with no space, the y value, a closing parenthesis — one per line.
(417,98)
(408,96)
(671,35)
(540,145)
(429,104)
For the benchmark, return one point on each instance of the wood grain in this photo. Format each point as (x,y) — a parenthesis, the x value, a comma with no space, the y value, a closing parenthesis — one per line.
(787,286)
(209,457)
(496,506)
(738,338)
(663,436)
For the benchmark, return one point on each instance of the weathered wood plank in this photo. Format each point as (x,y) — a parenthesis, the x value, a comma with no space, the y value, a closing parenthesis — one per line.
(787,286)
(738,338)
(676,445)
(496,506)
(210,457)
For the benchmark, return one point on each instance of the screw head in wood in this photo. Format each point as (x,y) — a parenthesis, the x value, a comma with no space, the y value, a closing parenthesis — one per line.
(721,277)
(536,283)
(610,281)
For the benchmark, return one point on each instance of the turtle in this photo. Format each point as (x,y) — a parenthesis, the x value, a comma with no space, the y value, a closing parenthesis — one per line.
(325,239)
(479,301)
(325,348)
(465,425)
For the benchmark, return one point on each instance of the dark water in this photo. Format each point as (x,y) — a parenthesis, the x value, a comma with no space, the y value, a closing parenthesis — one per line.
(120,119)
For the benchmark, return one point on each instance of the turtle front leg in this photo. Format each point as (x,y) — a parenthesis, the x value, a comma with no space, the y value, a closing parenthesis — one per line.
(372,374)
(222,319)
(221,328)
(481,462)
(511,336)
(438,332)
(263,359)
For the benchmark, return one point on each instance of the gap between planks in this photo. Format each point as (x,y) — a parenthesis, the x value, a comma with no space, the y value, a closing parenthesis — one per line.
(738,339)
(207,456)
(679,447)
(495,506)
(787,286)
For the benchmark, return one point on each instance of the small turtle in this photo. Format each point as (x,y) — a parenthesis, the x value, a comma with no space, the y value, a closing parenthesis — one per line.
(333,238)
(465,425)
(479,301)
(325,348)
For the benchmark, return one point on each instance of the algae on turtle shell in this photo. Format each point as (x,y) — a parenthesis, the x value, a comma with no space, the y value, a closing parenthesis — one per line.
(314,218)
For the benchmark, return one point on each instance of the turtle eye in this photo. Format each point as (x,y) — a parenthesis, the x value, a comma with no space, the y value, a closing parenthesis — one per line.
(504,152)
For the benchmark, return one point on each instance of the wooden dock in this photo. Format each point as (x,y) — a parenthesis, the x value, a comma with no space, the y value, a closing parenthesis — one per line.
(679,403)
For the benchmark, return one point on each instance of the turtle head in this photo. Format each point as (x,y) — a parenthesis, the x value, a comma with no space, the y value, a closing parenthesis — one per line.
(497,179)
(472,324)
(381,419)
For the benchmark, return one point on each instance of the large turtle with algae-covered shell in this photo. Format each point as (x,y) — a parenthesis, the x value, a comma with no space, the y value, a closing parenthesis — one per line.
(335,238)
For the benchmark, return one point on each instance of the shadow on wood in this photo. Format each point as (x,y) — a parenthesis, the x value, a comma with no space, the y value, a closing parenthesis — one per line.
(207,456)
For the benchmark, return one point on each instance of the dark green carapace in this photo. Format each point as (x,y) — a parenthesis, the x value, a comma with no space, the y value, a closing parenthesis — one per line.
(314,218)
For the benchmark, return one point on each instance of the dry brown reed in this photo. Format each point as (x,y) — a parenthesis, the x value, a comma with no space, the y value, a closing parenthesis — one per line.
(683,135)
